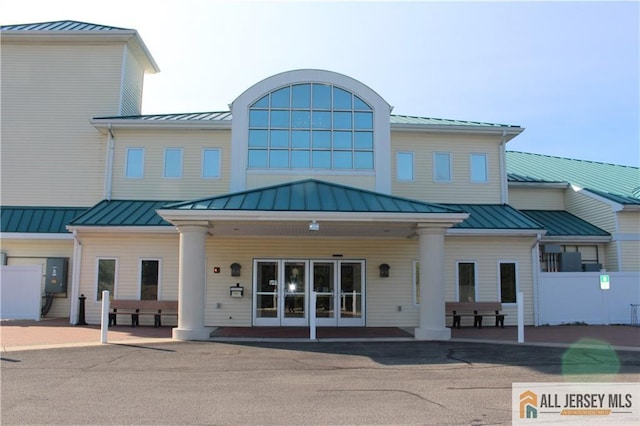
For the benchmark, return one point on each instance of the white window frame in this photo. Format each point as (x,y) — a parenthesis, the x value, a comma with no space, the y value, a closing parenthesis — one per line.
(435,167)
(219,166)
(499,280)
(164,170)
(475,279)
(398,169)
(471,168)
(142,259)
(97,275)
(126,165)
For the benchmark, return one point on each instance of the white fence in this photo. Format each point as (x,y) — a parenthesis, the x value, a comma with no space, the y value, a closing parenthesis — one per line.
(570,297)
(20,292)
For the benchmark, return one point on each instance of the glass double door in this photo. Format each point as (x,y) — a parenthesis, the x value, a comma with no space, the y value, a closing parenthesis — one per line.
(282,292)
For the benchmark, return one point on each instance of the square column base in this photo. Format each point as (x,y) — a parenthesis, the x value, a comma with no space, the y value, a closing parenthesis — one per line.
(191,333)
(432,334)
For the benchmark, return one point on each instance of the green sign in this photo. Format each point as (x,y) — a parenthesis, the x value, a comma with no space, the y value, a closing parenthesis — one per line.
(604,282)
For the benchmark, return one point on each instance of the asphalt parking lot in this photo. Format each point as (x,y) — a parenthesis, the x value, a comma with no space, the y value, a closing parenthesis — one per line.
(269,383)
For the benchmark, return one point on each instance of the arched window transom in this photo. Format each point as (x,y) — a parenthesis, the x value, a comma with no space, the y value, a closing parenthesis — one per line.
(311,126)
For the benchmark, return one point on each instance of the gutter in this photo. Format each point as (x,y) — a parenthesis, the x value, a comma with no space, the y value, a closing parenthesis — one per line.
(108,168)
(504,185)
(75,278)
(535,267)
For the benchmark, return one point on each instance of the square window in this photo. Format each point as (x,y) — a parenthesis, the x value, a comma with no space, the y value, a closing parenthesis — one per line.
(342,160)
(301,119)
(301,96)
(321,159)
(258,118)
(321,139)
(300,139)
(258,138)
(301,159)
(321,96)
(258,158)
(342,120)
(279,139)
(342,140)
(279,159)
(363,160)
(363,140)
(363,120)
(280,119)
(321,120)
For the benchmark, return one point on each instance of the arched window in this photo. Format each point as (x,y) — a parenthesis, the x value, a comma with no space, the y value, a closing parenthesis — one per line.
(311,126)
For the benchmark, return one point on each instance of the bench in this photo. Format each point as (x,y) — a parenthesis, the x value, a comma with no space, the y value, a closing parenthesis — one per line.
(135,308)
(477,310)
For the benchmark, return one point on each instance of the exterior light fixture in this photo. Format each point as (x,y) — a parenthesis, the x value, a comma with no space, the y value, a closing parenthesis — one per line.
(384,270)
(314,226)
(235,269)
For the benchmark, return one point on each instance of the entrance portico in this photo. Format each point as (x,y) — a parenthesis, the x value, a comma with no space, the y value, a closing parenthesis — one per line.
(379,216)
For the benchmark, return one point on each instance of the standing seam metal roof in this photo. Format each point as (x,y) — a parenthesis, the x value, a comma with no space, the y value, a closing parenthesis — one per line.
(312,195)
(494,216)
(562,223)
(41,220)
(61,26)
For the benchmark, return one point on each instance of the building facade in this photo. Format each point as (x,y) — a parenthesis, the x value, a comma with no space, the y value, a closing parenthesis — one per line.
(308,186)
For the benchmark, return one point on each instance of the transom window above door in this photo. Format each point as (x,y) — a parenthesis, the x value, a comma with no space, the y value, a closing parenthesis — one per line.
(311,126)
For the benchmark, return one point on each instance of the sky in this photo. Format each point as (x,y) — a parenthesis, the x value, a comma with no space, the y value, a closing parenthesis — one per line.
(568,72)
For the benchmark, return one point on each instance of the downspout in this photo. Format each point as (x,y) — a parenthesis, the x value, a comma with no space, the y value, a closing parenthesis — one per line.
(535,265)
(108,169)
(504,192)
(75,278)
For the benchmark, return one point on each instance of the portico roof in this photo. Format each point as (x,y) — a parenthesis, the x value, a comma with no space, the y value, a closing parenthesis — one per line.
(312,196)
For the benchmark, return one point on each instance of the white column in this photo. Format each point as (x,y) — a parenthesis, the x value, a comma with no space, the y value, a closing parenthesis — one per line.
(191,282)
(432,295)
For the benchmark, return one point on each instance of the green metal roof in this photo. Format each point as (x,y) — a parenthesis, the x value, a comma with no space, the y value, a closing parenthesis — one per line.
(561,223)
(60,26)
(494,216)
(313,195)
(225,117)
(617,183)
(123,213)
(41,220)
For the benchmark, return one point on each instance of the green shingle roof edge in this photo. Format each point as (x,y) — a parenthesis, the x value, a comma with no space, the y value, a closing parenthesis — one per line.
(617,183)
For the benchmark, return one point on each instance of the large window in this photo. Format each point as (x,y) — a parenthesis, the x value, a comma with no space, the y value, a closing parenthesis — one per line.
(442,167)
(404,166)
(106,277)
(135,163)
(149,279)
(507,282)
(478,168)
(173,162)
(211,163)
(311,126)
(466,282)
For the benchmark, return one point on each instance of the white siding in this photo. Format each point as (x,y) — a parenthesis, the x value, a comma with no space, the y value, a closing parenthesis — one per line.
(51,155)
(593,211)
(153,185)
(629,240)
(486,252)
(460,189)
(259,180)
(35,252)
(128,249)
(132,82)
(536,198)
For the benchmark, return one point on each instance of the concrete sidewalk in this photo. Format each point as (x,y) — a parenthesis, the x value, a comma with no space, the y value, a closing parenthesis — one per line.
(47,333)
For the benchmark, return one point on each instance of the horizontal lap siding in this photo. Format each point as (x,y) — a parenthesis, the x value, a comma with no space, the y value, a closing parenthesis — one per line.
(460,189)
(629,229)
(486,252)
(536,198)
(35,252)
(153,185)
(132,86)
(593,211)
(128,249)
(383,295)
(259,180)
(81,81)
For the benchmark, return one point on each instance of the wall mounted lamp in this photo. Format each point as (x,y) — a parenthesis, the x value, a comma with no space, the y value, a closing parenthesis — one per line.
(314,226)
(235,269)
(384,270)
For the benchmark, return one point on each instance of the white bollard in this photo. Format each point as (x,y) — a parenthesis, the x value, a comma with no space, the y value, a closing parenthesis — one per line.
(104,324)
(312,316)
(520,302)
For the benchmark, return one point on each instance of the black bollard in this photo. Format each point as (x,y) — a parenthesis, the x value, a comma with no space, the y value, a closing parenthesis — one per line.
(81,320)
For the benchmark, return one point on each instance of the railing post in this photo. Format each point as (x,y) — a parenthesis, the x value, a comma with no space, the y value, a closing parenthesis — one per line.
(104,324)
